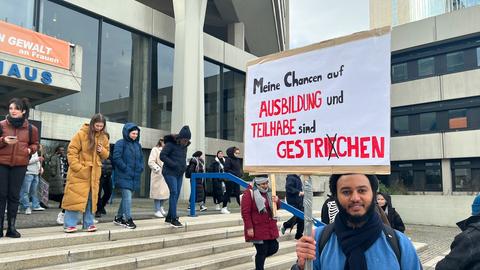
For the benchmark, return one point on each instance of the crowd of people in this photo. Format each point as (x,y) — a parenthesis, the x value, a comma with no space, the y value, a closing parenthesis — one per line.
(362,229)
(82,176)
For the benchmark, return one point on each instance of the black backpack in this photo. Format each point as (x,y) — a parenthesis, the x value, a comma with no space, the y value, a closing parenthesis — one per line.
(390,234)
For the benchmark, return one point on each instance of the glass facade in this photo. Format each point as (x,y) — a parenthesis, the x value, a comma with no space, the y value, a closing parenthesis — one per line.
(162,89)
(428,121)
(18,12)
(224,99)
(233,102)
(212,84)
(455,61)
(418,175)
(426,66)
(466,174)
(123,75)
(399,72)
(58,21)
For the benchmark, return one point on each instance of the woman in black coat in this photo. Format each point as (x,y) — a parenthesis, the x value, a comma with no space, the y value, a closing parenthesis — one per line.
(233,165)
(385,202)
(217,184)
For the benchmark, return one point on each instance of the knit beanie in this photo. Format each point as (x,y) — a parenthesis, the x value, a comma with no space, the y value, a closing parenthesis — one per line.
(260,180)
(185,133)
(476,206)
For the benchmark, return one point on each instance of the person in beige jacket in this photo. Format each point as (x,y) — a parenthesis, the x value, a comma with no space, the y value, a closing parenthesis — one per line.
(158,187)
(88,147)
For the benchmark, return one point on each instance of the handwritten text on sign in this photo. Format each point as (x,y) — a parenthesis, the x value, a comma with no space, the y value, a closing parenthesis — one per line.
(323,107)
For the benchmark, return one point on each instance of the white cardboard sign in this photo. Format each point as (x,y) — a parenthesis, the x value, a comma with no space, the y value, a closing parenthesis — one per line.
(328,106)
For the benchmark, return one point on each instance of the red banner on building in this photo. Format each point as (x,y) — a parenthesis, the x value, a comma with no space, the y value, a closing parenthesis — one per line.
(32,45)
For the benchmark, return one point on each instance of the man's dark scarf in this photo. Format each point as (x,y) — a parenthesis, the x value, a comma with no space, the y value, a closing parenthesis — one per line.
(354,242)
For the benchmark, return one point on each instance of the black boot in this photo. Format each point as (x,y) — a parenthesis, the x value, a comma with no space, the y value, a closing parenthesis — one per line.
(11,231)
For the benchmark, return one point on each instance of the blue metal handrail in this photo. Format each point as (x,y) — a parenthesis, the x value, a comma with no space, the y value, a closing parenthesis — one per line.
(242,183)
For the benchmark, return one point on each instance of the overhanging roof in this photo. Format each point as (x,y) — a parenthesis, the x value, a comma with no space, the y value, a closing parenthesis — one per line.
(263,20)
(38,82)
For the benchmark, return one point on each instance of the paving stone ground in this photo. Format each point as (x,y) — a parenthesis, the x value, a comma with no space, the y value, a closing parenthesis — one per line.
(438,240)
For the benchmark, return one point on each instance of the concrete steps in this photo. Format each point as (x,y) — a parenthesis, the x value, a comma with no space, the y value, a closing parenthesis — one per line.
(284,261)
(206,242)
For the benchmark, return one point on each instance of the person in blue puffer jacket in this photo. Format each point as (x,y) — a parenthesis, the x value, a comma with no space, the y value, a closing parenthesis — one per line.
(128,166)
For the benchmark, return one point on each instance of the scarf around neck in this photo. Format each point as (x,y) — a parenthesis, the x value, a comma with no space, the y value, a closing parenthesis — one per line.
(354,242)
(260,200)
(16,122)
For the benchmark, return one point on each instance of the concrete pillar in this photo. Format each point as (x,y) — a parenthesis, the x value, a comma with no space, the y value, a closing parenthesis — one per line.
(188,92)
(236,35)
(447,182)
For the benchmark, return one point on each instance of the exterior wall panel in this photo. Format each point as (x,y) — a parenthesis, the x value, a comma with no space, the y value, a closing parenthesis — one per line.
(413,34)
(415,92)
(460,85)
(462,144)
(428,146)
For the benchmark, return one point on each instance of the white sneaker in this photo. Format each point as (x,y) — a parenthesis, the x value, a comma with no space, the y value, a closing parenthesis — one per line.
(60,218)
(203,208)
(162,210)
(217,207)
(224,211)
(158,214)
(28,211)
(95,221)
(38,208)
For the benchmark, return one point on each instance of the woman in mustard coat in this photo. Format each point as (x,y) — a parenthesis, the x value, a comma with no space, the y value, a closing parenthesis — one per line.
(88,147)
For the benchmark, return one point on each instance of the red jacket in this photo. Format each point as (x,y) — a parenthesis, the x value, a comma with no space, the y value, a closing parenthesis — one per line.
(264,226)
(17,154)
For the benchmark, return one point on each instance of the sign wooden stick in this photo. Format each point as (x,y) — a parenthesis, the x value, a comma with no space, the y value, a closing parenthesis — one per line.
(274,193)
(308,215)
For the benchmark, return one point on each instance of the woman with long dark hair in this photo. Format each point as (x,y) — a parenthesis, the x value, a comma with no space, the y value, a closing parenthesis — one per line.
(18,140)
(88,147)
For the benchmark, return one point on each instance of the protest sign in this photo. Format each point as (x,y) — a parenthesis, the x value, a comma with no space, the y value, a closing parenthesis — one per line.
(321,109)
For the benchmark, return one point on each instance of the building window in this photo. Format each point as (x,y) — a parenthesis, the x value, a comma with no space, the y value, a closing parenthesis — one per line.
(161,103)
(457,119)
(399,72)
(433,176)
(233,102)
(400,124)
(419,175)
(58,21)
(466,174)
(18,12)
(428,121)
(426,66)
(455,61)
(123,71)
(212,84)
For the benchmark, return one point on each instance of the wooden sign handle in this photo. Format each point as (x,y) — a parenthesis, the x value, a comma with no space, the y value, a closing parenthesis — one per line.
(274,193)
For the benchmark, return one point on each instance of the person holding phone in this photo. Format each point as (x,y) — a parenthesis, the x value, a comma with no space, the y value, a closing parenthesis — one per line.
(88,147)
(18,140)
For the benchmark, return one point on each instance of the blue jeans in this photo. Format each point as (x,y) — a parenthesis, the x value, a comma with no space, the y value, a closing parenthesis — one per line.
(174,184)
(72,217)
(29,190)
(158,204)
(124,209)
